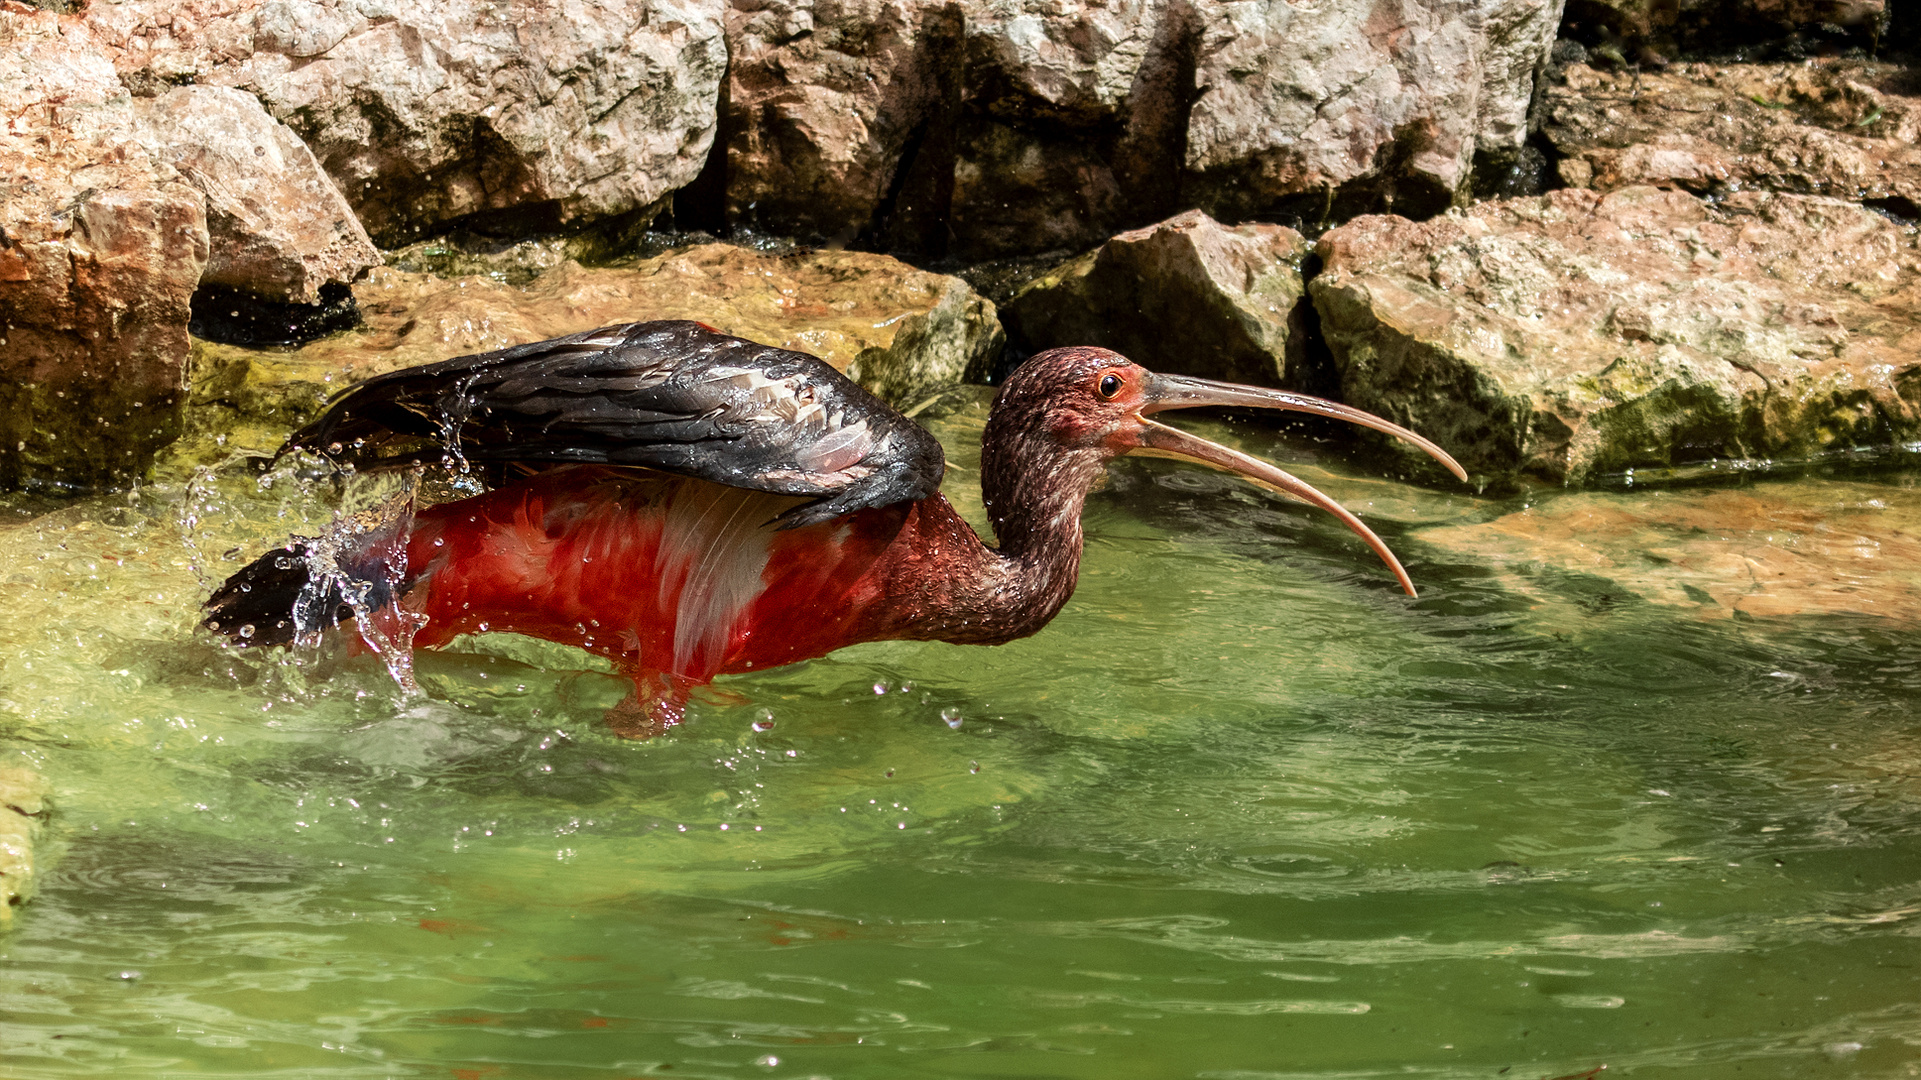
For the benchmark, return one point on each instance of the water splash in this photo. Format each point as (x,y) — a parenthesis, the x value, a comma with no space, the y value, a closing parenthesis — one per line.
(361,563)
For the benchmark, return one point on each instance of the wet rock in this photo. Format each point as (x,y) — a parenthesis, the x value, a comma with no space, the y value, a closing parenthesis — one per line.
(101,247)
(1771,550)
(1841,128)
(530,117)
(901,332)
(23,805)
(993,130)
(1188,295)
(279,228)
(1577,333)
(116,209)
(464,254)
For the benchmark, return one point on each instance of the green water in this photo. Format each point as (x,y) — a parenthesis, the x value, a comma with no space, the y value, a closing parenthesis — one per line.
(1243,811)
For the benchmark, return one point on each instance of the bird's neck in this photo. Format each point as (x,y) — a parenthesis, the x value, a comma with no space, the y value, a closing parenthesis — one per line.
(990,595)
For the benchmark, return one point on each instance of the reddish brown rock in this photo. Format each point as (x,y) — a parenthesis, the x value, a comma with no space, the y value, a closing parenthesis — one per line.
(1188,295)
(822,105)
(1834,128)
(1072,123)
(1578,333)
(101,247)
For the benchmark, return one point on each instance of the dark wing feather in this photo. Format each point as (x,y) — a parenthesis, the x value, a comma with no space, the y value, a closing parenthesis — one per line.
(675,396)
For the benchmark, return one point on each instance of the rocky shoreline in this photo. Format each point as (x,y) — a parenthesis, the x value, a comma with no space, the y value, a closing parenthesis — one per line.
(1683,261)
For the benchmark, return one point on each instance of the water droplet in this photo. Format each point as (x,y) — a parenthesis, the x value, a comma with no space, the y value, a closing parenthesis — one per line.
(880,688)
(763,719)
(973,766)
(126,976)
(246,630)
(767,1061)
(952,716)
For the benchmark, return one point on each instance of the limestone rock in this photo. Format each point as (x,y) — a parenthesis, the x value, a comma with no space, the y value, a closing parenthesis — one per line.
(1188,295)
(426,113)
(101,247)
(822,105)
(1073,120)
(1770,550)
(1834,128)
(1019,126)
(901,332)
(901,121)
(279,228)
(23,804)
(1389,100)
(1577,333)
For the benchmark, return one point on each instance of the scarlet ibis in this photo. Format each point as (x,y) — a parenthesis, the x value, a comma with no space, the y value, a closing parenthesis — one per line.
(693,504)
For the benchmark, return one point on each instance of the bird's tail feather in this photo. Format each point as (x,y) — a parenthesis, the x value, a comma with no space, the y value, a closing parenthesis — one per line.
(297,591)
(256,606)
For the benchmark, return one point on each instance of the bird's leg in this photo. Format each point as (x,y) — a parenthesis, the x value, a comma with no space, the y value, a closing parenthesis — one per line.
(657,702)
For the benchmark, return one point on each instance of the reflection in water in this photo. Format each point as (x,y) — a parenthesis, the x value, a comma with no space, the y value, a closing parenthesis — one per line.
(1243,811)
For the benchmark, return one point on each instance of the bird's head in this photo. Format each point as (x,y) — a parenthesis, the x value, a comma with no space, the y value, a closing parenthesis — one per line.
(1082,407)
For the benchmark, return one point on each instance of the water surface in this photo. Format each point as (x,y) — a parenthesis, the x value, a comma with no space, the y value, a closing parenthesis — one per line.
(1243,811)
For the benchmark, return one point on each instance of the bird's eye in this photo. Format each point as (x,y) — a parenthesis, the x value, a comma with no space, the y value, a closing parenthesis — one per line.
(1110,385)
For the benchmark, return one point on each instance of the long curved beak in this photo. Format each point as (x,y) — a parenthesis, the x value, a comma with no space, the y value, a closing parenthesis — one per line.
(1183,392)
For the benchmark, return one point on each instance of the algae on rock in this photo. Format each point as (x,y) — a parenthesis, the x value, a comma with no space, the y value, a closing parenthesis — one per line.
(1578,333)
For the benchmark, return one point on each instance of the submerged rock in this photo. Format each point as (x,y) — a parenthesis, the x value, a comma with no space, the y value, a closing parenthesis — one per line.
(1835,128)
(1789,548)
(23,804)
(1188,295)
(427,113)
(1578,333)
(901,332)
